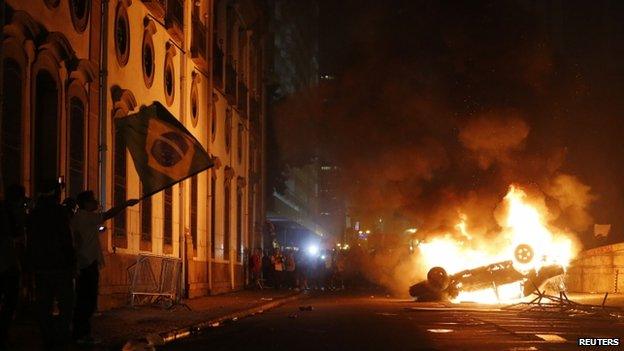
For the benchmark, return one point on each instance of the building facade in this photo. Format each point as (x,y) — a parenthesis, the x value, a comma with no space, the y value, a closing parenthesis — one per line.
(70,68)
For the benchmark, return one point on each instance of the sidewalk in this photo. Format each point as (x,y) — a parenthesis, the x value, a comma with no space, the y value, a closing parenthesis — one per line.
(115,327)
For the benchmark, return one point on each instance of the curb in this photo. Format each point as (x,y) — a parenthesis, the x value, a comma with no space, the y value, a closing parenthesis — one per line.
(162,338)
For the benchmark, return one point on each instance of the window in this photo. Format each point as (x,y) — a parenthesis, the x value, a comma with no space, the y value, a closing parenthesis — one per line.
(239,143)
(51,4)
(213,124)
(168,216)
(79,10)
(228,129)
(122,34)
(193,213)
(45,155)
(194,100)
(230,64)
(226,220)
(239,225)
(148,59)
(213,216)
(217,46)
(76,146)
(198,39)
(11,126)
(169,80)
(119,191)
(174,19)
(146,222)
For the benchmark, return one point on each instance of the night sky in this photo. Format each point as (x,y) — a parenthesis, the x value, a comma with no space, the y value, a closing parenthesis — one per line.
(436,107)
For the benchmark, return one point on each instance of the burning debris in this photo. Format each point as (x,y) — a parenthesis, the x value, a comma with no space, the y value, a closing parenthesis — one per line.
(527,254)
(546,303)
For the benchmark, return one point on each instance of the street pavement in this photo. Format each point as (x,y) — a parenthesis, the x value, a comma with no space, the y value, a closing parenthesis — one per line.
(114,327)
(342,321)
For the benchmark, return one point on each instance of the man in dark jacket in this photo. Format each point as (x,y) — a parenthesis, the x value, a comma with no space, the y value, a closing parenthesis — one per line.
(53,261)
(13,213)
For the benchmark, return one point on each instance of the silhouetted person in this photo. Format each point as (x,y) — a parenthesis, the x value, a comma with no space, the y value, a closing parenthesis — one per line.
(289,270)
(267,269)
(277,261)
(53,262)
(71,206)
(11,229)
(255,266)
(86,225)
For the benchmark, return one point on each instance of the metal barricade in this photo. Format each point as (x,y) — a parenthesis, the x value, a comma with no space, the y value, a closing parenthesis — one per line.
(147,288)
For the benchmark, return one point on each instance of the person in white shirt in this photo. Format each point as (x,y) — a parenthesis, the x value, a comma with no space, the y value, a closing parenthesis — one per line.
(86,225)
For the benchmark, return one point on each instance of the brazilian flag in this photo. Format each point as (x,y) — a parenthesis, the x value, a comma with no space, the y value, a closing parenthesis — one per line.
(163,151)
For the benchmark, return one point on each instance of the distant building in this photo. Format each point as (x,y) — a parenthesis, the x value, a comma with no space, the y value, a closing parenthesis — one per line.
(332,205)
(71,67)
(294,27)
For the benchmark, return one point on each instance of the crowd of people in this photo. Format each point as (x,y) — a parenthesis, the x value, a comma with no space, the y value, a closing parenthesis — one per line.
(50,257)
(298,270)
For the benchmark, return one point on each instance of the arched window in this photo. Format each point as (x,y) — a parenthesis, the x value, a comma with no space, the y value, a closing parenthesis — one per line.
(79,10)
(226,219)
(195,99)
(213,117)
(239,224)
(149,67)
(11,152)
(124,103)
(122,34)
(120,179)
(193,213)
(228,129)
(169,76)
(213,211)
(239,143)
(77,152)
(46,129)
(146,224)
(168,220)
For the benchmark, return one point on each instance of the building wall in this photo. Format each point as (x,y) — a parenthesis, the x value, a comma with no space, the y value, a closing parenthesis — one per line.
(598,270)
(40,35)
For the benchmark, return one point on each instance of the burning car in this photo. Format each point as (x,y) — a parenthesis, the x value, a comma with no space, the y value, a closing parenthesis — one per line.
(441,286)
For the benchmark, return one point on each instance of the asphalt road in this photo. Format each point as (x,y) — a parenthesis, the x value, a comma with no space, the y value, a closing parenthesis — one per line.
(340,321)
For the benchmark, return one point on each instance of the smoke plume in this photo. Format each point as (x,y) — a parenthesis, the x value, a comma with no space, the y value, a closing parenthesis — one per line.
(437,107)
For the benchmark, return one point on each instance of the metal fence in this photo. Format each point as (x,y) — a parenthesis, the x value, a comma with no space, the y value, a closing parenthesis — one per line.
(146,287)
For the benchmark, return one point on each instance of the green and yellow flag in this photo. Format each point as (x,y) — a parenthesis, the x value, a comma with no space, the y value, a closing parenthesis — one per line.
(163,151)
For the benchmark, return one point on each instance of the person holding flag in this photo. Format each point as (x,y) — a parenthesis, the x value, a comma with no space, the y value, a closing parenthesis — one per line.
(86,226)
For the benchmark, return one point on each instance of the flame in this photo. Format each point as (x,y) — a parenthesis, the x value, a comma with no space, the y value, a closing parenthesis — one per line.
(523,224)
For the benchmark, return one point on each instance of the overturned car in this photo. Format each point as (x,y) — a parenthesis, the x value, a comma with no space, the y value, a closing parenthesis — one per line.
(440,286)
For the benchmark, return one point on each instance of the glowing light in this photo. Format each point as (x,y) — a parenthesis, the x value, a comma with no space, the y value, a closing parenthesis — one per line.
(440,331)
(313,250)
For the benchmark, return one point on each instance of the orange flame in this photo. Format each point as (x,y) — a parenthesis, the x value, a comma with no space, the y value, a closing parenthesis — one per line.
(523,224)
